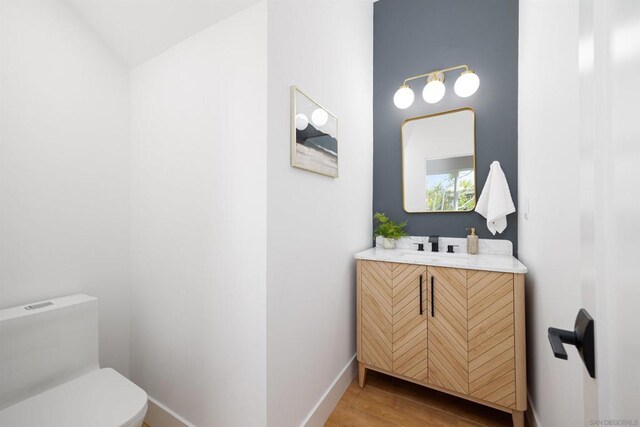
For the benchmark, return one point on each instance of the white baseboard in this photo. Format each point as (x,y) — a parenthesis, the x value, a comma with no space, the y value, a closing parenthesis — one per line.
(332,395)
(158,415)
(532,416)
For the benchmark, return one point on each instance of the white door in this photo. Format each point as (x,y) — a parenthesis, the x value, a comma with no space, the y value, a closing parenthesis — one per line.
(579,203)
(610,141)
(609,56)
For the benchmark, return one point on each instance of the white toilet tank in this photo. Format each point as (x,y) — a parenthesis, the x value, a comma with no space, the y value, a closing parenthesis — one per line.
(46,344)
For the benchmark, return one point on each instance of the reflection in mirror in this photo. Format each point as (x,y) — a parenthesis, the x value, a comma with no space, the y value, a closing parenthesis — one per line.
(438,162)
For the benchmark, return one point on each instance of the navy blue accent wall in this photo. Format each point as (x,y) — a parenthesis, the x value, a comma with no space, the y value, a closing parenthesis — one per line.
(415,36)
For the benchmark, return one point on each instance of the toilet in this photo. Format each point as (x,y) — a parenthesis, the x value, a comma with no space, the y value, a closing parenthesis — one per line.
(50,374)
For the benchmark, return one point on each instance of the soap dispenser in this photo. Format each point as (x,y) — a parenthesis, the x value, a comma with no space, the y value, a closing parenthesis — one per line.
(472,242)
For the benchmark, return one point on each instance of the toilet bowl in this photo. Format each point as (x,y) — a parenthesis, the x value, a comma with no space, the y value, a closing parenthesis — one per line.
(50,373)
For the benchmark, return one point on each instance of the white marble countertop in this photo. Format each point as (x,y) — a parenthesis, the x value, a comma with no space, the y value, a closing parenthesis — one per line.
(487,262)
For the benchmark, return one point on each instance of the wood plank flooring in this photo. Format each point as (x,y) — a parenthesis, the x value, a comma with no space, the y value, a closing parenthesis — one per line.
(388,401)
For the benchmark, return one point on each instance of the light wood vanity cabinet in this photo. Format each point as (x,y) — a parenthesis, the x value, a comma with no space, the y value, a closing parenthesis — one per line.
(491,339)
(454,330)
(394,330)
(447,326)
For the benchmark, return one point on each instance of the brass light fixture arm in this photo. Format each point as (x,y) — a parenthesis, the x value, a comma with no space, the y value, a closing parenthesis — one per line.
(457,67)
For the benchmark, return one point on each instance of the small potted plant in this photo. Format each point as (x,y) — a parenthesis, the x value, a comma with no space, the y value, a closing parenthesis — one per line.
(390,230)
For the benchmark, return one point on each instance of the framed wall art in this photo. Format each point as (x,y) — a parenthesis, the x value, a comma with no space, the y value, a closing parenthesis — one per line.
(314,135)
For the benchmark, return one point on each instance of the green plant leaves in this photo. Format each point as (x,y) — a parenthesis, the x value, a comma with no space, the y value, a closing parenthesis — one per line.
(388,228)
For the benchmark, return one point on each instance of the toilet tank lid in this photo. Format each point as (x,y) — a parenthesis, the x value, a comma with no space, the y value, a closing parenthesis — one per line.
(100,398)
(34,308)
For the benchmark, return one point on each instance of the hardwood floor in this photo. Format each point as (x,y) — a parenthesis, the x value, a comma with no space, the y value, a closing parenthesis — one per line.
(387,401)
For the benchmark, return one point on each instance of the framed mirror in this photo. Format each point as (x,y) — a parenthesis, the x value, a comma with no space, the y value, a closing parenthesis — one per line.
(438,162)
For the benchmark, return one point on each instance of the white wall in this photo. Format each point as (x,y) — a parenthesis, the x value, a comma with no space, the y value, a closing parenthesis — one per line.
(316,223)
(199,160)
(64,167)
(138,30)
(549,171)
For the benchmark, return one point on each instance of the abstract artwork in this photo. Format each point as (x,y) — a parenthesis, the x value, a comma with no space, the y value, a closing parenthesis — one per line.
(314,135)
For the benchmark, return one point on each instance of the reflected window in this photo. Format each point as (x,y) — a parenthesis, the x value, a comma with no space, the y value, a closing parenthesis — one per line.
(450,184)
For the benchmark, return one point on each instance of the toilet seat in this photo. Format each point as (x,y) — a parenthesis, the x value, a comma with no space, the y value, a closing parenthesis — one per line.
(101,398)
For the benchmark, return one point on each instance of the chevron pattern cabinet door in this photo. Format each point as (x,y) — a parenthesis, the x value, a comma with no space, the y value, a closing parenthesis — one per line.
(409,325)
(447,329)
(491,337)
(376,314)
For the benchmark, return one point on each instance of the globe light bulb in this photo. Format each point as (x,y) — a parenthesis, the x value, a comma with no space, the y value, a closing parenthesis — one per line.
(319,117)
(403,97)
(467,84)
(433,91)
(301,121)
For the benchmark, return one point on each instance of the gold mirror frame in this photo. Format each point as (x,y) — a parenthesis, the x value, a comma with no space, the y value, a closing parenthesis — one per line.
(475,173)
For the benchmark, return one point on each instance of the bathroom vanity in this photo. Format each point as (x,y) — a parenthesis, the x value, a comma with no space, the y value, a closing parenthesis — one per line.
(449,321)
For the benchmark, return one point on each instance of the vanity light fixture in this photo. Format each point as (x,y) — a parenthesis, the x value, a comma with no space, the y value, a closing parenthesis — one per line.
(434,90)
(466,85)
(403,97)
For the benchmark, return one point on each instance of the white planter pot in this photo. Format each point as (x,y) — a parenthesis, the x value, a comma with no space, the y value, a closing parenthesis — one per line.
(389,243)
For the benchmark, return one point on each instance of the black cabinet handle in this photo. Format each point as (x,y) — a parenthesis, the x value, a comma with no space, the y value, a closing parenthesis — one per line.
(582,337)
(432,299)
(421,295)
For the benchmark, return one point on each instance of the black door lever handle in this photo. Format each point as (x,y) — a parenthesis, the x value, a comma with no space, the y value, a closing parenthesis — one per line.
(581,336)
(559,336)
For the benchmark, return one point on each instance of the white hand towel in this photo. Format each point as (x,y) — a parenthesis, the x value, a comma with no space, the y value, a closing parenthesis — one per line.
(495,202)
